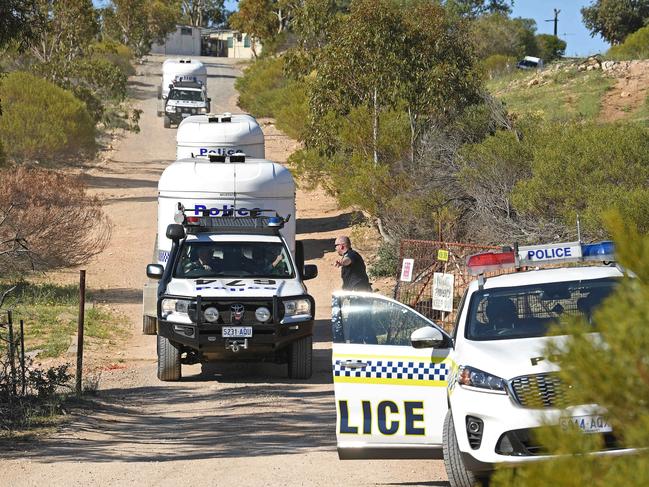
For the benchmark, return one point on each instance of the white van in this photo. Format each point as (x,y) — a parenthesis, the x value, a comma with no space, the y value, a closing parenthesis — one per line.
(220,134)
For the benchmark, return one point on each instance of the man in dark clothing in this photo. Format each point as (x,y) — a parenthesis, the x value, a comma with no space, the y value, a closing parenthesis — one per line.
(352,266)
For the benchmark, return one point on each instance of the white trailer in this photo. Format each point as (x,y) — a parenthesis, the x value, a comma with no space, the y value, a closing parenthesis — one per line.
(220,134)
(172,69)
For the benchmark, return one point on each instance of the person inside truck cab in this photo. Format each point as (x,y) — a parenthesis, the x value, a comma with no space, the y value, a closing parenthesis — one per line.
(202,258)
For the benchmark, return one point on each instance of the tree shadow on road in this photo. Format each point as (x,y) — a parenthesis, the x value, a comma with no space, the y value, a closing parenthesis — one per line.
(328,223)
(172,422)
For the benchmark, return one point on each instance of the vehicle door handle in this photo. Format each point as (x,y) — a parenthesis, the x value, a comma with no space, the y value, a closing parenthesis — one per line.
(354,365)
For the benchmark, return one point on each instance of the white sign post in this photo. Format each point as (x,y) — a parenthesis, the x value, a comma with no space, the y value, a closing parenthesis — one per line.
(406,269)
(443,292)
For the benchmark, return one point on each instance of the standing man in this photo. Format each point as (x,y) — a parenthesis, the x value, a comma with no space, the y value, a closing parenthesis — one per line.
(352,266)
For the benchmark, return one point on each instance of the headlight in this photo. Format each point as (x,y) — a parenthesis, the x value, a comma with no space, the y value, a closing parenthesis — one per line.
(297,307)
(262,314)
(170,108)
(203,109)
(193,110)
(211,314)
(175,310)
(475,378)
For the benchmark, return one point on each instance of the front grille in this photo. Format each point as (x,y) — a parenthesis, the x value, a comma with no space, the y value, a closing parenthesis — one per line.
(539,391)
(526,442)
(227,315)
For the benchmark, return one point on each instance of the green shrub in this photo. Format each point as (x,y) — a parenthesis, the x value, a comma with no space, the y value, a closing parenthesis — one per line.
(498,64)
(42,121)
(586,169)
(265,91)
(387,261)
(550,47)
(635,46)
(115,53)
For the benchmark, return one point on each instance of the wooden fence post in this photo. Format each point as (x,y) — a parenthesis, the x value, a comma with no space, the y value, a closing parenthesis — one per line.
(82,303)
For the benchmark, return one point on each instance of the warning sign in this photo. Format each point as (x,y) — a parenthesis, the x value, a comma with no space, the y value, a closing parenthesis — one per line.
(443,291)
(406,269)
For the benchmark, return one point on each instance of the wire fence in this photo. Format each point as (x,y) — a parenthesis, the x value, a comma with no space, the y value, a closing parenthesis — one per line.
(430,257)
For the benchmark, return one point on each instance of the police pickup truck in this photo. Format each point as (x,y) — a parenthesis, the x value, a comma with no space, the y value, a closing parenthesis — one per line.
(406,389)
(187,96)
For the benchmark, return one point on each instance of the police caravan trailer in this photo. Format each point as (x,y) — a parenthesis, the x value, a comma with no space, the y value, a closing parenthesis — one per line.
(404,388)
(175,68)
(221,134)
(230,273)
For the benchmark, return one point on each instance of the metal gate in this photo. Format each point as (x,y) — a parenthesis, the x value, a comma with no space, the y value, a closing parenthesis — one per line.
(427,260)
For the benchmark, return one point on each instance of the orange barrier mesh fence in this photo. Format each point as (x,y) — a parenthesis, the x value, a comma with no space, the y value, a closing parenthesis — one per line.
(418,293)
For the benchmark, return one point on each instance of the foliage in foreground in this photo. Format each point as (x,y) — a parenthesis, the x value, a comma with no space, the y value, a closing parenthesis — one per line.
(612,372)
(42,121)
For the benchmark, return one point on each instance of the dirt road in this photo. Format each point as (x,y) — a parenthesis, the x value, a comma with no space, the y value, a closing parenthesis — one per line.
(246,427)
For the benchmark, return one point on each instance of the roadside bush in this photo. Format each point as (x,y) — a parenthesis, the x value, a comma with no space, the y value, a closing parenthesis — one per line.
(498,65)
(585,169)
(635,46)
(41,121)
(47,221)
(115,53)
(550,47)
(387,261)
(265,91)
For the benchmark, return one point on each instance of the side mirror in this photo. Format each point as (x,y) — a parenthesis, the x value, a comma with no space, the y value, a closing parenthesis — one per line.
(175,232)
(154,271)
(209,100)
(427,337)
(164,97)
(310,272)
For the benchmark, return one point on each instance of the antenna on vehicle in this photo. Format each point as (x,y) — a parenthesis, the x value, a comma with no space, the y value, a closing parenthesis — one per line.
(578,229)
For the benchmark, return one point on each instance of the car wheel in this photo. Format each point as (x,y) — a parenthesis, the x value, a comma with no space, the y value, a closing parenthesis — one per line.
(300,359)
(149,325)
(167,122)
(168,360)
(458,475)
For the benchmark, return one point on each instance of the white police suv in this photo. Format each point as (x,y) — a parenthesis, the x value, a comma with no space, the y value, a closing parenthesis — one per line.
(406,389)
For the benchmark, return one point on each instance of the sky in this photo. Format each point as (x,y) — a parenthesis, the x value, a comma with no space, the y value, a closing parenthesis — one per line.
(571,27)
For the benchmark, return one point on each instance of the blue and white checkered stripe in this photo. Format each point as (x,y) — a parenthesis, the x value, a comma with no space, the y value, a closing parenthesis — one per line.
(394,369)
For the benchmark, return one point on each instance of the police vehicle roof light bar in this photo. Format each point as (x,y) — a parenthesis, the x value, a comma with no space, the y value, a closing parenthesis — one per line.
(538,255)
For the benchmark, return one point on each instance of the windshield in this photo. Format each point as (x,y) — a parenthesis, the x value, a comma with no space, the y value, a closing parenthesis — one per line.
(234,259)
(186,95)
(528,311)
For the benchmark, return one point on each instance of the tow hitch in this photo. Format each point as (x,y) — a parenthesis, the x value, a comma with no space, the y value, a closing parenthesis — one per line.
(236,345)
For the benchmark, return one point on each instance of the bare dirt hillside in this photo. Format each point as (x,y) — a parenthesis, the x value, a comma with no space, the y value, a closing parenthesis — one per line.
(630,91)
(247,426)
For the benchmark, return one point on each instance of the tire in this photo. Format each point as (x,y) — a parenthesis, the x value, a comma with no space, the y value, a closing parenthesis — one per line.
(149,325)
(168,360)
(458,475)
(300,359)
(167,122)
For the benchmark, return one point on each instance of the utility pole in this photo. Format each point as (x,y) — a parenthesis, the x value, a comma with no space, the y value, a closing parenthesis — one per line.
(555,20)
